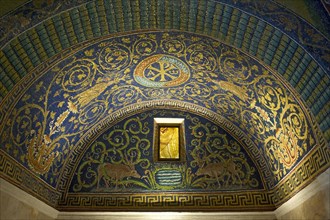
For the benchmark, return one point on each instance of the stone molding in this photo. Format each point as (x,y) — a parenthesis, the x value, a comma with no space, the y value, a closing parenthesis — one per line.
(322,182)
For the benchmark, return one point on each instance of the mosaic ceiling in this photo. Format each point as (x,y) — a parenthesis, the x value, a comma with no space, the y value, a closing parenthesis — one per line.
(83,81)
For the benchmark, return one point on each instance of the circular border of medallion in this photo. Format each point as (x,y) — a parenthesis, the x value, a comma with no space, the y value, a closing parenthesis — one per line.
(139,72)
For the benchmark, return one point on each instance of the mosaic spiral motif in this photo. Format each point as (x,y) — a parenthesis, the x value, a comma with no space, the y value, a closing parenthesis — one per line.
(281,39)
(89,85)
(121,159)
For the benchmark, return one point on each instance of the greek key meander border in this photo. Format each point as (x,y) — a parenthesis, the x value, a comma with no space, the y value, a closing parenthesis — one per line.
(280,194)
(171,201)
(315,163)
(19,176)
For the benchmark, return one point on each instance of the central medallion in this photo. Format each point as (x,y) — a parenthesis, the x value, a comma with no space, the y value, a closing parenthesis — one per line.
(161,71)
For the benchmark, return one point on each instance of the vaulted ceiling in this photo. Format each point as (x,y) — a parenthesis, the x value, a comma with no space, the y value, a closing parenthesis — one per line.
(82,82)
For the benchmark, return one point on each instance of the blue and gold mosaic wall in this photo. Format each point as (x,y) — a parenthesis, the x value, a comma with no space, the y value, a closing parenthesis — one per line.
(81,81)
(264,29)
(86,114)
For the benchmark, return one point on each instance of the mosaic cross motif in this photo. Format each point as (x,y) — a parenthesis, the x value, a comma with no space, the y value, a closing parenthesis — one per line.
(161,71)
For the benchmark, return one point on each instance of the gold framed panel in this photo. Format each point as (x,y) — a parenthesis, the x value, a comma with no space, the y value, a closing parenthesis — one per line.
(169,140)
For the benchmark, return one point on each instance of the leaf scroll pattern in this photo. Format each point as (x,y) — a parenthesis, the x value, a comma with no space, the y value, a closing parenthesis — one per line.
(78,92)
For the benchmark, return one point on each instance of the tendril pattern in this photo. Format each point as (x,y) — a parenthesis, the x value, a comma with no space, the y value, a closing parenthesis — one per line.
(121,159)
(79,91)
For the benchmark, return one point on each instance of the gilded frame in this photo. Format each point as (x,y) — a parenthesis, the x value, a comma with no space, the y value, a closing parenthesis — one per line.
(175,125)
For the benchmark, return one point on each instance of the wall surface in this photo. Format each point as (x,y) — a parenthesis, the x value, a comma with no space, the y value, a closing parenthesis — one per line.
(313,202)
(168,216)
(19,205)
(317,207)
(12,208)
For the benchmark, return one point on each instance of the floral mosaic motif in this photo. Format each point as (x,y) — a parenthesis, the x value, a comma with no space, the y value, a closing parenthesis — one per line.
(83,89)
(220,161)
(115,157)
(121,159)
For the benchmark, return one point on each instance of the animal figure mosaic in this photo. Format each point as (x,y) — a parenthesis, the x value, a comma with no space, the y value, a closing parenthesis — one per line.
(122,156)
(212,170)
(115,172)
(219,171)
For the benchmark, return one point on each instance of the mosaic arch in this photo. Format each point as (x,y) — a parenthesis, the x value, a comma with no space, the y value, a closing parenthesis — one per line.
(115,77)
(82,80)
(128,142)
